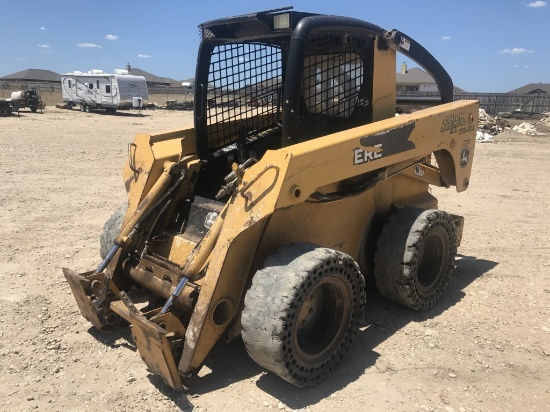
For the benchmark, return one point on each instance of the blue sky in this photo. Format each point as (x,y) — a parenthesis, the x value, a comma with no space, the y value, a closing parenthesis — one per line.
(485,45)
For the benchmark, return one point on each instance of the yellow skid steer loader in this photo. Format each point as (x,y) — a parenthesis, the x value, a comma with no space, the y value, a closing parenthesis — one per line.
(296,183)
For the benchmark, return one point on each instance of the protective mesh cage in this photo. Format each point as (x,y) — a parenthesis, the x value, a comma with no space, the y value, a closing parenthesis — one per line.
(244,93)
(205,33)
(333,83)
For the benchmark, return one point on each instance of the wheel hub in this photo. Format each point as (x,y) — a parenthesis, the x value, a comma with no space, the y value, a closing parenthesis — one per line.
(322,319)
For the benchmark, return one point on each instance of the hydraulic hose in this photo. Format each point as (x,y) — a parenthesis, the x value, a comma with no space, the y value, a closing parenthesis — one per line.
(145,209)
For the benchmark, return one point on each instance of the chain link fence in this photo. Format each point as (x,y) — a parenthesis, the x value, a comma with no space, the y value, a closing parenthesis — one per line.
(498,102)
(509,102)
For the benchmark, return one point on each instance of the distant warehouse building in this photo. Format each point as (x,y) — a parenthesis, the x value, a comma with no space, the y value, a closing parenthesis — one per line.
(46,81)
(153,80)
(533,88)
(33,76)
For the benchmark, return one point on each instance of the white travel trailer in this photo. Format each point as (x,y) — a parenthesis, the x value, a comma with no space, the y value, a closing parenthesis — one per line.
(98,90)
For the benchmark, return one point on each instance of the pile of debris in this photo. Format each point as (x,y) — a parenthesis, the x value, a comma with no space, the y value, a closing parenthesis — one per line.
(175,105)
(491,125)
(484,118)
(526,128)
(482,137)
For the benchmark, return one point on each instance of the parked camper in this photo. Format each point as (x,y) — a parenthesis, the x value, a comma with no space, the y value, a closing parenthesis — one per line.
(98,90)
(189,87)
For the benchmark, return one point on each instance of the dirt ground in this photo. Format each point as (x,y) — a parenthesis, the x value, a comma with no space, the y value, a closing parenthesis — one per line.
(485,347)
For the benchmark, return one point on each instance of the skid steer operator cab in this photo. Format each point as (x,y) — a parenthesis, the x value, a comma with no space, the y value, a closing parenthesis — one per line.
(280,77)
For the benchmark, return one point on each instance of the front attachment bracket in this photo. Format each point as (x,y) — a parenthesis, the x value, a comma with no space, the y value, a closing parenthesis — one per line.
(86,286)
(158,340)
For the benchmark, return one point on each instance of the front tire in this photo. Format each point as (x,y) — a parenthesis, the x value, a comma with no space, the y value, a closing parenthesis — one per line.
(111,229)
(415,257)
(302,312)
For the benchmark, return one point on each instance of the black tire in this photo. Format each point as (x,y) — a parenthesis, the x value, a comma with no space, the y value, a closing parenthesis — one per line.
(302,312)
(34,109)
(88,109)
(368,249)
(111,230)
(415,257)
(82,107)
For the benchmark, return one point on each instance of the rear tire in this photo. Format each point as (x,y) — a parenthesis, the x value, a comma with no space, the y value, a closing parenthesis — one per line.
(111,229)
(302,312)
(415,257)
(88,109)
